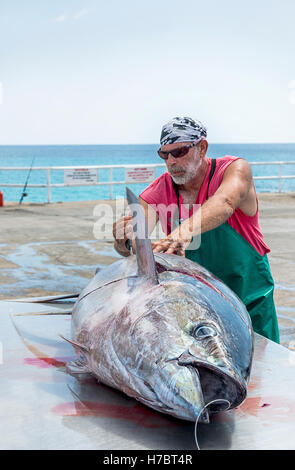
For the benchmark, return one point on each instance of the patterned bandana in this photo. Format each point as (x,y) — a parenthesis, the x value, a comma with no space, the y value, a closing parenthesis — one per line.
(182,129)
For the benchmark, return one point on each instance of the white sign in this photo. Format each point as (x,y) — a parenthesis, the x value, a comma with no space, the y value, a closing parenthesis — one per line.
(139,175)
(80,176)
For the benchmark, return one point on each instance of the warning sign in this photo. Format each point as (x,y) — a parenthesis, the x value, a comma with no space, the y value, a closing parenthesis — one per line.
(81,176)
(139,175)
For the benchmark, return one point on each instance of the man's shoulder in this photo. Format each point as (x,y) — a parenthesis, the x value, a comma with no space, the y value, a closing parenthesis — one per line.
(233,164)
(154,192)
(222,165)
(227,159)
(226,162)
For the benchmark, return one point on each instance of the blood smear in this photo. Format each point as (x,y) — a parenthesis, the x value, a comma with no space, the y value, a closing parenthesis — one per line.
(45,362)
(137,413)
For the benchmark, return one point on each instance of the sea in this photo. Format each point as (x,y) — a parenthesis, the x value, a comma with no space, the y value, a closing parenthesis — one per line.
(86,155)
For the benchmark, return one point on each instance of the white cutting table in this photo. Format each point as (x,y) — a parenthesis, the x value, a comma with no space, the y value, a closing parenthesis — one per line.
(42,407)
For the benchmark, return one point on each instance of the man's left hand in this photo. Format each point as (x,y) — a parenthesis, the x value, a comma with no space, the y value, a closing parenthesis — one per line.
(177,241)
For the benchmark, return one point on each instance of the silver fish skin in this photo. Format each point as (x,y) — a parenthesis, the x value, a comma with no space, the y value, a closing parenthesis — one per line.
(163,330)
(174,345)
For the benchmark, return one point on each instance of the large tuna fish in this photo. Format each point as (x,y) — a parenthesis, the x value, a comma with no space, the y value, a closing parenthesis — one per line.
(165,331)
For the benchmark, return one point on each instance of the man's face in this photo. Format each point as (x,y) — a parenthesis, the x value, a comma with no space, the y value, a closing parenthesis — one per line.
(185,168)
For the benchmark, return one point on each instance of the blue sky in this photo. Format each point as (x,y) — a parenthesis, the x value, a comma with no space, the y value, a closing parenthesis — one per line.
(112,72)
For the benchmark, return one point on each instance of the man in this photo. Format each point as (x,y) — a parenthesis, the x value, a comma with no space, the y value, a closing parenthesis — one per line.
(232,245)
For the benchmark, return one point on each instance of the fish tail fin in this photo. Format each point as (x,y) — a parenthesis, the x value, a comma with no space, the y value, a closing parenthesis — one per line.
(144,251)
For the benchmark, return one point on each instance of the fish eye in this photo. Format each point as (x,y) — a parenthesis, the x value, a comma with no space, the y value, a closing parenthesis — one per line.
(204,331)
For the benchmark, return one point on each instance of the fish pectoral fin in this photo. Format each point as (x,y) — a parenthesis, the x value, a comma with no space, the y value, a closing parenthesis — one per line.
(78,367)
(78,347)
(51,298)
(32,314)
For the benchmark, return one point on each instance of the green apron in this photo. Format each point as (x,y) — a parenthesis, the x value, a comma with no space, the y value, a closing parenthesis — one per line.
(228,256)
(225,253)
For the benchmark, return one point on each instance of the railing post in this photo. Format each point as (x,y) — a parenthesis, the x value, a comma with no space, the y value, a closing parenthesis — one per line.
(48,185)
(280,178)
(111,181)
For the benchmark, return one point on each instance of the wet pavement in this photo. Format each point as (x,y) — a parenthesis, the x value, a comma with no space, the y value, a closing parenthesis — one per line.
(51,249)
(31,269)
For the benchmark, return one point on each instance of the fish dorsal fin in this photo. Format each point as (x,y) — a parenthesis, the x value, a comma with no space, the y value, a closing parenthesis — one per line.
(144,251)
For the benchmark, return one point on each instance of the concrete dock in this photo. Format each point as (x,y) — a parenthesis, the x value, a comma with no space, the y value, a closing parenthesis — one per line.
(48,249)
(47,408)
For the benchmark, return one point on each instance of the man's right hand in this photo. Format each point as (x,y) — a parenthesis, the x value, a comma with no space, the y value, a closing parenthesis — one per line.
(122,231)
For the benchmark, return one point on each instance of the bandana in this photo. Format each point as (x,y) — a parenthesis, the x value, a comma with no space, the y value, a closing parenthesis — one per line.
(182,129)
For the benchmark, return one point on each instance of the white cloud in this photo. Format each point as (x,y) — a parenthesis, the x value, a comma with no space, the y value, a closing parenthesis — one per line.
(61,18)
(81,13)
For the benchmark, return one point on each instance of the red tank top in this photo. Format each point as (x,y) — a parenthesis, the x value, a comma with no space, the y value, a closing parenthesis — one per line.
(160,194)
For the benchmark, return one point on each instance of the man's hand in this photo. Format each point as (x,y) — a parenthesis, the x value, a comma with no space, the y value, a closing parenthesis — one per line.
(177,241)
(122,231)
(123,228)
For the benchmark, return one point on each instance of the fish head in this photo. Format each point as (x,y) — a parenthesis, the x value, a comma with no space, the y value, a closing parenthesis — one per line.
(195,348)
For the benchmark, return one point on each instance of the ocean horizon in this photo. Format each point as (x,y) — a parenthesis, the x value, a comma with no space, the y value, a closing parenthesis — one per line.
(124,154)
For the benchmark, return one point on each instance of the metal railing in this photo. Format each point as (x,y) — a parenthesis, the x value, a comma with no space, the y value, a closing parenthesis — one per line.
(110,181)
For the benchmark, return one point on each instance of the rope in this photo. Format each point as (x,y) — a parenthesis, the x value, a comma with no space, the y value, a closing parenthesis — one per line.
(198,417)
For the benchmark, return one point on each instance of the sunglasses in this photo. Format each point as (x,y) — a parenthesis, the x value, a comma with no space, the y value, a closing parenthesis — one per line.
(176,153)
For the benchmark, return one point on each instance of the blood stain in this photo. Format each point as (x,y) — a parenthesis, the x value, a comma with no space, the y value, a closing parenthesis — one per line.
(137,413)
(275,409)
(45,362)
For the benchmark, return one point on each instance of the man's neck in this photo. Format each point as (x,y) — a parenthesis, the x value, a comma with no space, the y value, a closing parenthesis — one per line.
(195,183)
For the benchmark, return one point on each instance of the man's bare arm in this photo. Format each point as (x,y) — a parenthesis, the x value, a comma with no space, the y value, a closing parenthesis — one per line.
(236,190)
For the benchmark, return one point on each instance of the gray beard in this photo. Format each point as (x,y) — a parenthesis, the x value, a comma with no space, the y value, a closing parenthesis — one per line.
(183,179)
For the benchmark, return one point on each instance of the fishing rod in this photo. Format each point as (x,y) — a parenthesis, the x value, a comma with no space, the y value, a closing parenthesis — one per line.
(24,194)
